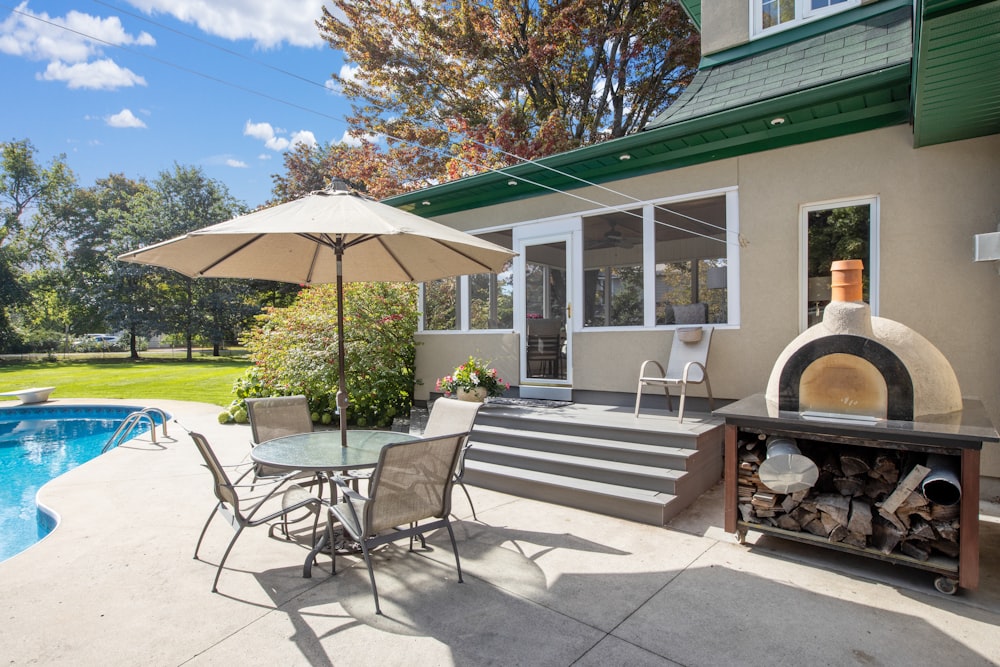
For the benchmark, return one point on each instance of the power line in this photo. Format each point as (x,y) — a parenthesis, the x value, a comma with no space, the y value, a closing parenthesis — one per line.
(479,167)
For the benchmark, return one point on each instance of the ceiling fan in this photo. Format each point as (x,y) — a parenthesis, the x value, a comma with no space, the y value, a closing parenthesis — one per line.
(613,238)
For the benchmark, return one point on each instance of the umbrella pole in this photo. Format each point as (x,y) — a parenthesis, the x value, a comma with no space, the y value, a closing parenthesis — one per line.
(341,388)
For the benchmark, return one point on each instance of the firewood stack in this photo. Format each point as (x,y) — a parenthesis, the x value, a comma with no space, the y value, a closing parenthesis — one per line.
(862,499)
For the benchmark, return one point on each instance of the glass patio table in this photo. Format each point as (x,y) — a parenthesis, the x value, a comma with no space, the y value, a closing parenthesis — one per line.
(321,452)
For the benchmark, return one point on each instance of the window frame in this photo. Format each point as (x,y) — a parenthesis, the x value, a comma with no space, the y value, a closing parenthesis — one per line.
(874,252)
(803,14)
(532,228)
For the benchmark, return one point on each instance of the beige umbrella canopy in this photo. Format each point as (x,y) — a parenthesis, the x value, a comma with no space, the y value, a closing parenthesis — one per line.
(329,236)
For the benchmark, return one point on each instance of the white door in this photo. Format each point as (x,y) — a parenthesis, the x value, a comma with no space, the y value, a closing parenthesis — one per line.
(545,312)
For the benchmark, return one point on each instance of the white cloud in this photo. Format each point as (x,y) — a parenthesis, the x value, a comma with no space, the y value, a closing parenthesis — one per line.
(98,75)
(269,135)
(238,164)
(266,22)
(263,156)
(347,73)
(124,118)
(69,44)
(303,137)
(351,140)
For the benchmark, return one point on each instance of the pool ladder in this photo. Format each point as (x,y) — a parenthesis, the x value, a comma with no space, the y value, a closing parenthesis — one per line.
(133,420)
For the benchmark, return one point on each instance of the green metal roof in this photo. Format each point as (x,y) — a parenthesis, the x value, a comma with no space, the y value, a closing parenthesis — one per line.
(693,9)
(956,71)
(870,45)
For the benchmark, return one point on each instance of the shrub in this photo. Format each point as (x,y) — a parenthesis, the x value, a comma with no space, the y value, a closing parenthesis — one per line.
(294,351)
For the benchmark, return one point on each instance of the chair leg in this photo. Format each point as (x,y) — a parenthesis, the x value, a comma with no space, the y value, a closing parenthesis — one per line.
(222,562)
(371,575)
(680,412)
(638,397)
(454,548)
(205,529)
(471,506)
(708,387)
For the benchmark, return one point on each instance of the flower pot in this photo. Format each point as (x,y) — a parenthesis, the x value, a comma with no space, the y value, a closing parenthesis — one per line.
(475,395)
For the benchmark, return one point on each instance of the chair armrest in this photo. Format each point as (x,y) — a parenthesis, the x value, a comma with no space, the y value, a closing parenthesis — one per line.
(642,369)
(688,365)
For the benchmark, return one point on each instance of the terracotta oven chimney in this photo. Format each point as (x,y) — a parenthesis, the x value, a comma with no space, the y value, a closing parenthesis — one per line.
(856,365)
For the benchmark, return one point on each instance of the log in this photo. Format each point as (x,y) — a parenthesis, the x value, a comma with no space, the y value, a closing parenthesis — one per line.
(885,469)
(853,465)
(920,529)
(837,506)
(885,536)
(945,530)
(789,503)
(849,486)
(878,489)
(915,549)
(861,517)
(838,534)
(788,523)
(816,528)
(764,499)
(905,488)
(830,523)
(856,540)
(947,547)
(803,516)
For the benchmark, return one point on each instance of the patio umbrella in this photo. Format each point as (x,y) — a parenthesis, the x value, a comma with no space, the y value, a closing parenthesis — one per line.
(328,236)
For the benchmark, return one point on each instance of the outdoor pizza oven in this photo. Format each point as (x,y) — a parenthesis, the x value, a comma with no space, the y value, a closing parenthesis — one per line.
(853,364)
(861,443)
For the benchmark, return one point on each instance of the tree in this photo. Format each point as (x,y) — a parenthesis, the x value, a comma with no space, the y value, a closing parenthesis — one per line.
(33,209)
(146,299)
(530,77)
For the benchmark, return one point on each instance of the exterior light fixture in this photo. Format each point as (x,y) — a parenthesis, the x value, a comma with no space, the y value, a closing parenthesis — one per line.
(425,203)
(512,182)
(624,156)
(777,121)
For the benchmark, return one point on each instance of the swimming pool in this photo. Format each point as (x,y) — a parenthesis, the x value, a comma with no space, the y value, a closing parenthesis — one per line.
(37,444)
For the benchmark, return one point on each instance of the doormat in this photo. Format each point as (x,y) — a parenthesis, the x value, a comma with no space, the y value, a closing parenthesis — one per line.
(527,402)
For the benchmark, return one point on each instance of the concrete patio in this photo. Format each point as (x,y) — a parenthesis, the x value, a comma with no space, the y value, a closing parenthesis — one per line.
(115,584)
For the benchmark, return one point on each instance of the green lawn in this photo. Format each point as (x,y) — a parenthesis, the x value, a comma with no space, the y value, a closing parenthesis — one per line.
(206,379)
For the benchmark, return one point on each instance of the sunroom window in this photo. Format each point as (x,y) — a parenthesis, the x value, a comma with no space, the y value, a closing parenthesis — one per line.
(691,262)
(612,269)
(488,304)
(772,15)
(491,295)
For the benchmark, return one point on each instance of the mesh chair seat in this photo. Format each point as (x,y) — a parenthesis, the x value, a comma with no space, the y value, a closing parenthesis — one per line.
(412,483)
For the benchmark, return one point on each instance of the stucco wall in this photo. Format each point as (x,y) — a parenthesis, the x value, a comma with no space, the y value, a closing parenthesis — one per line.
(932,201)
(724,24)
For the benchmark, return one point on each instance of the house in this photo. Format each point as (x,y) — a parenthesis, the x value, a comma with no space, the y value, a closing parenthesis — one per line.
(810,125)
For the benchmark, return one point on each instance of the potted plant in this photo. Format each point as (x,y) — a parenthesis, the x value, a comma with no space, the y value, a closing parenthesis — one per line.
(473,381)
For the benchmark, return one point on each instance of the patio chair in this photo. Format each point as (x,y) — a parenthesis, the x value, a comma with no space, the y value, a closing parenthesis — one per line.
(544,347)
(688,364)
(412,483)
(453,416)
(275,417)
(293,497)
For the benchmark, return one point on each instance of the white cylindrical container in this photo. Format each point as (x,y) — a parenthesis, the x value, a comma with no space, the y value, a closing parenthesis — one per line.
(786,470)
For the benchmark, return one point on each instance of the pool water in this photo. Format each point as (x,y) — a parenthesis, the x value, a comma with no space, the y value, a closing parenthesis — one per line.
(37,445)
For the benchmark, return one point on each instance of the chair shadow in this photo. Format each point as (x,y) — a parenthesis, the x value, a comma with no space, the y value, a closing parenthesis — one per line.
(683,615)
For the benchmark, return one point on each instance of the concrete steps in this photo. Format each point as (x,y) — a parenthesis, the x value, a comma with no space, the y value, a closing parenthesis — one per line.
(645,470)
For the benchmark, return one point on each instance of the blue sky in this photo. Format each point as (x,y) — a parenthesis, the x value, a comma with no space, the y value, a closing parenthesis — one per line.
(118,88)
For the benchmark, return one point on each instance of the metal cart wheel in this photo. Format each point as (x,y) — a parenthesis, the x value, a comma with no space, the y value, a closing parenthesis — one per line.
(741,535)
(946,585)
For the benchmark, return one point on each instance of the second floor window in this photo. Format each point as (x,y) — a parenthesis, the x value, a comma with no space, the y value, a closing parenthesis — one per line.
(772,15)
